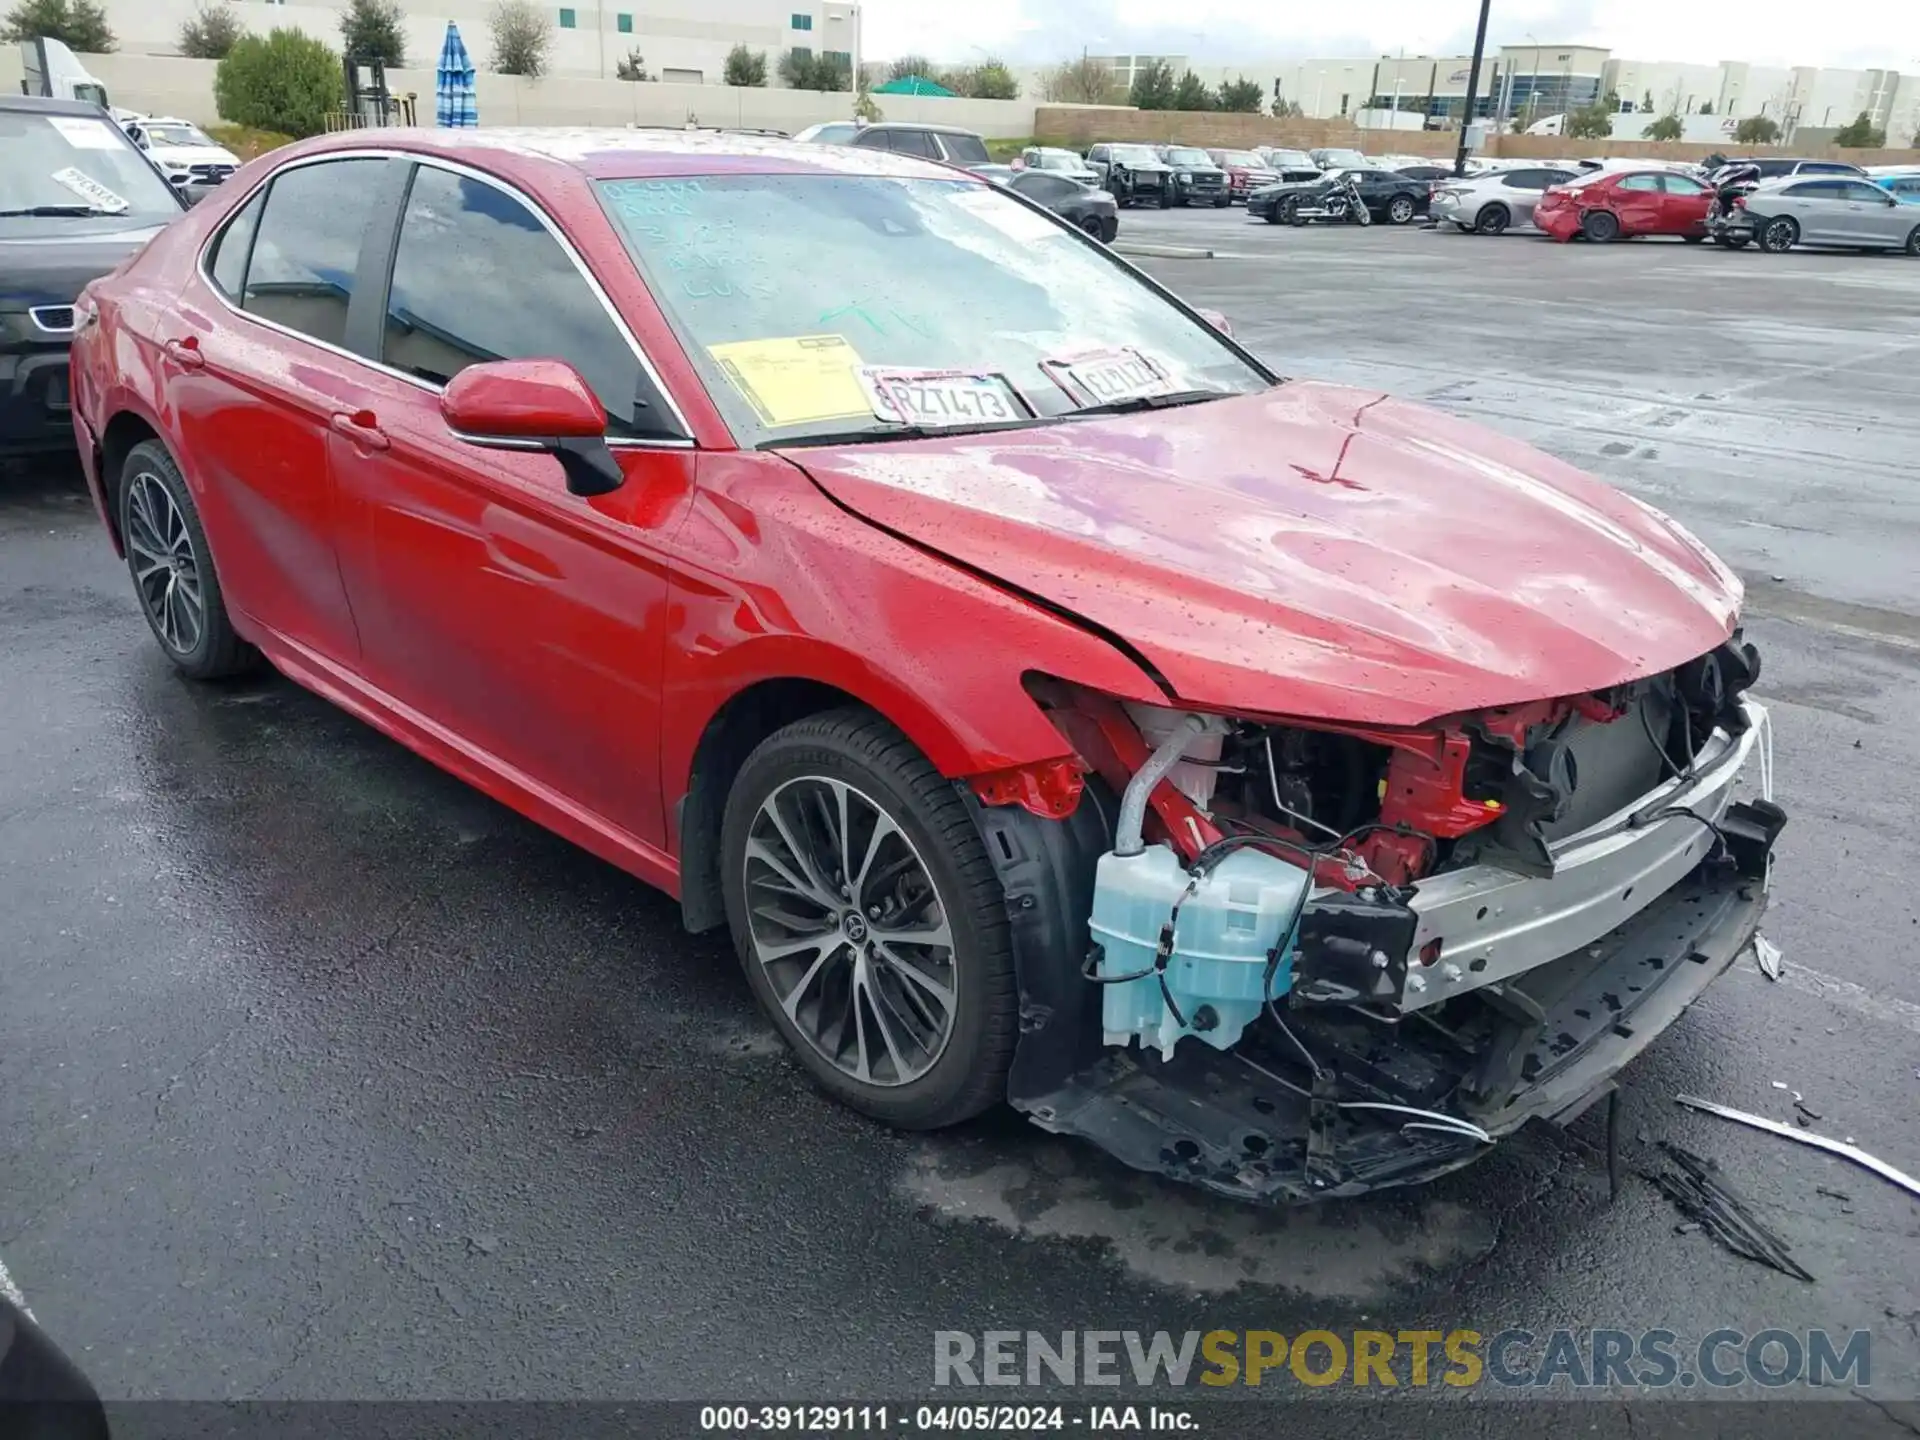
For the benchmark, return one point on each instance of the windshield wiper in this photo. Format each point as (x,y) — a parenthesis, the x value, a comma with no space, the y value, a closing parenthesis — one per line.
(1153,402)
(37,211)
(902,432)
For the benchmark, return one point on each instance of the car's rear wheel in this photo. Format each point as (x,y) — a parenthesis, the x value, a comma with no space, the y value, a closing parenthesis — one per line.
(869,921)
(1913,241)
(1693,239)
(1400,210)
(1493,220)
(1600,226)
(1780,235)
(172,568)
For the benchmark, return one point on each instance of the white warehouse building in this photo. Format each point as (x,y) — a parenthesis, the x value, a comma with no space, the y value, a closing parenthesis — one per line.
(680,40)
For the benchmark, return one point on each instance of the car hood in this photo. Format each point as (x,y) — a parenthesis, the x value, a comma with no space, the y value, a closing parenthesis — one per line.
(194,155)
(1144,166)
(51,269)
(1311,550)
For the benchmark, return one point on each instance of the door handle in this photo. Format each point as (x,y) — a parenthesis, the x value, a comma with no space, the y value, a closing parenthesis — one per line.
(361,428)
(185,353)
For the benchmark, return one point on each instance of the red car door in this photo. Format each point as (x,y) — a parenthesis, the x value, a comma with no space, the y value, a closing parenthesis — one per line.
(1640,203)
(1684,211)
(253,371)
(527,620)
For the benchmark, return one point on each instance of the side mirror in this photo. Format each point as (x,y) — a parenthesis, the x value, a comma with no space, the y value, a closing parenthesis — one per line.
(535,405)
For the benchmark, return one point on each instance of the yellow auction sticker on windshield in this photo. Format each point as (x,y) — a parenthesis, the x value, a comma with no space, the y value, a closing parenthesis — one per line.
(796,380)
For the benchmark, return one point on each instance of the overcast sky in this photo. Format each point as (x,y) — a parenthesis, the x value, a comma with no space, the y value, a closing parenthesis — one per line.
(1876,33)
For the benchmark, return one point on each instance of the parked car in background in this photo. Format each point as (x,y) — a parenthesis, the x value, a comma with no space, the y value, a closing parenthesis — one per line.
(184,153)
(1625,204)
(1781,167)
(1131,172)
(947,143)
(1497,200)
(1196,179)
(76,199)
(863,577)
(1389,196)
(1246,171)
(831,132)
(1280,158)
(1900,181)
(1058,162)
(1829,210)
(1339,158)
(1092,210)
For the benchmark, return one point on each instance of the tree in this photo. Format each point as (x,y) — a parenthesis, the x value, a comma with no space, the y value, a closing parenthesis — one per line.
(992,80)
(1756,130)
(633,67)
(1284,109)
(910,65)
(374,30)
(286,81)
(1862,134)
(522,36)
(209,33)
(1152,86)
(1191,94)
(802,71)
(1706,107)
(746,67)
(77,24)
(1085,81)
(1242,96)
(1667,127)
(1593,122)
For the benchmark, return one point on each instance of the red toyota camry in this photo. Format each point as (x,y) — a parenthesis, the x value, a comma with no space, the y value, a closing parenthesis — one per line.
(1622,204)
(1055,705)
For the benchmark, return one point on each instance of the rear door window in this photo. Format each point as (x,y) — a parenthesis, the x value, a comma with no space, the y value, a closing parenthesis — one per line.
(1640,182)
(1861,190)
(1816,190)
(1045,189)
(965,149)
(914,142)
(306,250)
(1525,179)
(1682,185)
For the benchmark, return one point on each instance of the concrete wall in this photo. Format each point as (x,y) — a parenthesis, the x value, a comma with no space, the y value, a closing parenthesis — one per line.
(171,85)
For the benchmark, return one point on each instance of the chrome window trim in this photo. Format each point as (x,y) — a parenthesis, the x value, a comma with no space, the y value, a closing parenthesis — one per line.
(207,248)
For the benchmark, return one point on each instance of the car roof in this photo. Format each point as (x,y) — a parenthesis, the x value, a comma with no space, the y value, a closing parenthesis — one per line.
(47,105)
(609,153)
(918,125)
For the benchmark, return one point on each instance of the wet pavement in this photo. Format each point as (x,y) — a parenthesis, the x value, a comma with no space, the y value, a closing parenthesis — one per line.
(321,1075)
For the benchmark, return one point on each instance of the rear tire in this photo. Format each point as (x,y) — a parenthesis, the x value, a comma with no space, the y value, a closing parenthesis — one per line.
(1693,239)
(1093,227)
(1600,226)
(861,1012)
(1400,210)
(1780,235)
(1493,220)
(1913,242)
(172,568)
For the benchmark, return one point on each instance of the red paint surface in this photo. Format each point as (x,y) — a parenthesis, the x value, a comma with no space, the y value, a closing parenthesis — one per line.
(1564,208)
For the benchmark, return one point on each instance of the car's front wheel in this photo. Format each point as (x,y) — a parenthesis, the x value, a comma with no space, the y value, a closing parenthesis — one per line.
(869,921)
(1780,235)
(1913,241)
(1494,220)
(1400,210)
(172,568)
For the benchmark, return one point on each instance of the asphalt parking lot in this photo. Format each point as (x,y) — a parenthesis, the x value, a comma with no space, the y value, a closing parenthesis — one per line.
(323,1076)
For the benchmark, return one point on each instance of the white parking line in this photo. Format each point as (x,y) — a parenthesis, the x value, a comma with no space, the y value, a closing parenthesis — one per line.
(1845,994)
(11,1290)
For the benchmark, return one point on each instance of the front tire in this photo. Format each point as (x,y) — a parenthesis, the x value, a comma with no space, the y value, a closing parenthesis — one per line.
(1913,242)
(1493,220)
(1400,210)
(1601,226)
(869,921)
(1780,235)
(172,568)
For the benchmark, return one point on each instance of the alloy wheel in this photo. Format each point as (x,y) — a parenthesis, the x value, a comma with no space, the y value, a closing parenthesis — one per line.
(166,571)
(852,936)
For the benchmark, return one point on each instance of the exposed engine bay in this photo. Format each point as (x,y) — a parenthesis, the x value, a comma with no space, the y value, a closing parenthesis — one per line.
(1321,958)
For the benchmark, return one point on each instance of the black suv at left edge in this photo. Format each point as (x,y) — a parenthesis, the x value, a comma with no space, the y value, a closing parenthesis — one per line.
(77,197)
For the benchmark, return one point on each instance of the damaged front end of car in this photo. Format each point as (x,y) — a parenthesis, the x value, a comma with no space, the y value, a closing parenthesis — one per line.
(1285,959)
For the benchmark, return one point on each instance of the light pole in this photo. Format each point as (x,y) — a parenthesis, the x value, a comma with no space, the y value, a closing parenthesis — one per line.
(1473,86)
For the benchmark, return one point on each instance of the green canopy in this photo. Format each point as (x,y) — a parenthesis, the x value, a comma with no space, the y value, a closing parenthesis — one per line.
(912,85)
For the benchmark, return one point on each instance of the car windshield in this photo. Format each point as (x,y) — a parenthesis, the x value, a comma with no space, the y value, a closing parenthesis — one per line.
(1343,157)
(1293,159)
(1243,158)
(1181,155)
(831,132)
(1060,160)
(172,134)
(1136,154)
(59,172)
(790,292)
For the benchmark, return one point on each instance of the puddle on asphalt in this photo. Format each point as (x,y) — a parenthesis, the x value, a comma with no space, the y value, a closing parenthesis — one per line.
(1186,1239)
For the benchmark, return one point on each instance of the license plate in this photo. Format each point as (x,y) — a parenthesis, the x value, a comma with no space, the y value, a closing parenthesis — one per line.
(940,397)
(1102,377)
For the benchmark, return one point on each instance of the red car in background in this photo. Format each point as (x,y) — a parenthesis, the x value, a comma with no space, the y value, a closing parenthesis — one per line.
(860,554)
(1246,171)
(1625,204)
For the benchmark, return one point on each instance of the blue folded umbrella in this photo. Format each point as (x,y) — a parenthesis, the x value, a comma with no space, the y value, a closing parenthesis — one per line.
(456,105)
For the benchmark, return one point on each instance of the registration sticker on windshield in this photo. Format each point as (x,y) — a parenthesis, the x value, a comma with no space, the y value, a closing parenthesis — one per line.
(85,133)
(1101,377)
(796,379)
(940,397)
(91,190)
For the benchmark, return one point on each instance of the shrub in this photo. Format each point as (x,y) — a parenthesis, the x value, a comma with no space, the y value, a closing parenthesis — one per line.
(1243,96)
(1152,87)
(1862,134)
(1667,127)
(285,81)
(1756,130)
(746,67)
(76,24)
(210,32)
(522,35)
(375,30)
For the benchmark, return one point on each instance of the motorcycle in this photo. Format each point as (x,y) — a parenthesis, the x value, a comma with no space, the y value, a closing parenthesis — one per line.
(1343,202)
(1726,219)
